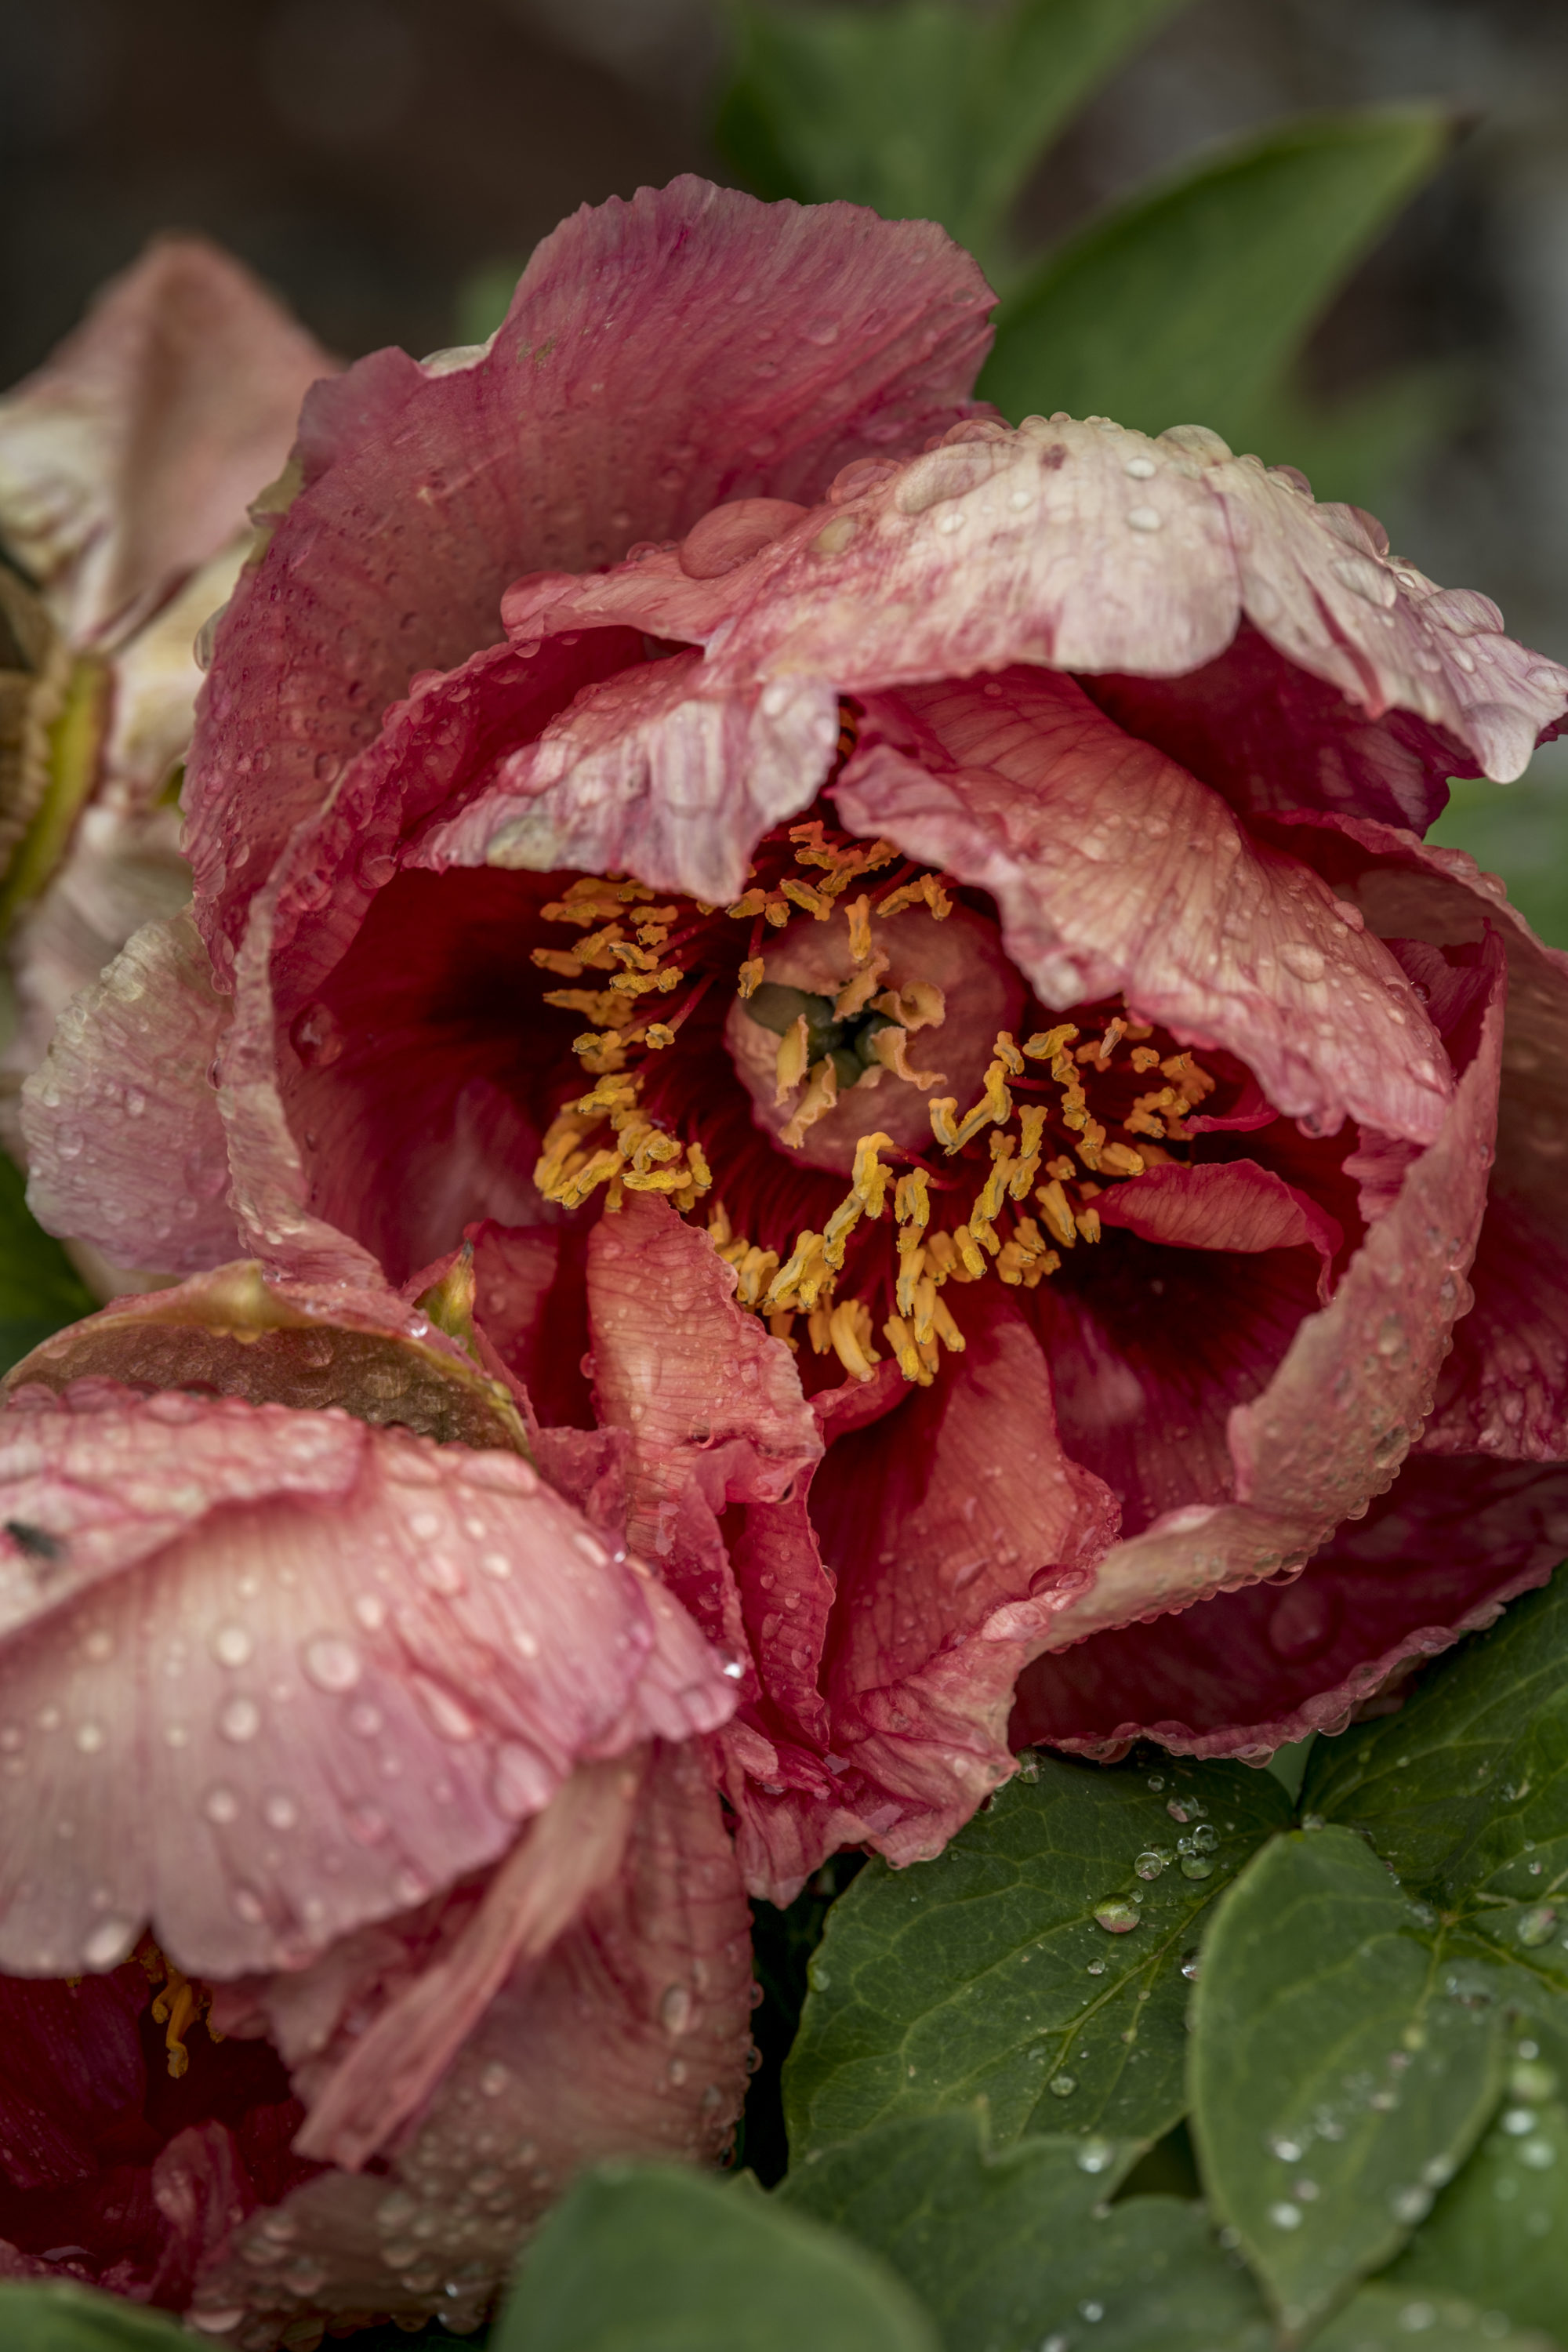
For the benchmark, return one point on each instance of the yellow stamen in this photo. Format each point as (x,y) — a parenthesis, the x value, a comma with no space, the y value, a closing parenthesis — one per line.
(558,960)
(1100,1053)
(839,1228)
(941,1109)
(1088,1225)
(942,1254)
(1120,1159)
(858,915)
(870,1179)
(1007,1053)
(968,1251)
(781,1323)
(1056,1213)
(802,895)
(756,1270)
(946,1329)
(994,1107)
(790,1061)
(639,984)
(750,978)
(720,1229)
(748,906)
(901,1340)
(849,1329)
(1026,1168)
(818,1324)
(927,891)
(1046,1044)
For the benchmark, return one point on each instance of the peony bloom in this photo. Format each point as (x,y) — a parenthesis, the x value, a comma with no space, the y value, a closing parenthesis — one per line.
(906,948)
(126,467)
(362,1874)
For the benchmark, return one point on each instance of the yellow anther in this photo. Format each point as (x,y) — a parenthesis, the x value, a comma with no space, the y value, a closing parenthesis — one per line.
(942,1258)
(572,1191)
(994,1108)
(912,1204)
(927,890)
(946,1329)
(654,1149)
(1090,1143)
(1144,1117)
(1088,1225)
(696,1161)
(1120,1159)
(747,908)
(1144,1058)
(922,1308)
(659,1034)
(609,1095)
(857,914)
(1101,1052)
(839,1228)
(818,1324)
(720,1229)
(756,1270)
(942,1108)
(861,857)
(777,913)
(1046,1044)
(818,1100)
(912,1268)
(849,1329)
(790,1061)
(750,977)
(968,1250)
(901,1340)
(802,895)
(639,984)
(1026,1168)
(891,1048)
(558,960)
(596,1003)
(1007,1053)
(781,1323)
(870,1179)
(1061,1168)
(992,1192)
(856,994)
(1057,1212)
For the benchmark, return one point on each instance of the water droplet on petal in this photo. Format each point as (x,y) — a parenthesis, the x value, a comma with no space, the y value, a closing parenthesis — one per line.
(330,1662)
(108,1944)
(232,1646)
(676,2009)
(1301,957)
(221,1805)
(239,1720)
(89,1737)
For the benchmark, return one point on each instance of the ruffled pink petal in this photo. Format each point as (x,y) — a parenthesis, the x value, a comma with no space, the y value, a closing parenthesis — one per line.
(630,2038)
(124,1139)
(1504,1389)
(1088,548)
(1226,1205)
(130,457)
(954,1530)
(1334,1424)
(713,1403)
(660,357)
(648,774)
(1242,1672)
(268,1723)
(1115,871)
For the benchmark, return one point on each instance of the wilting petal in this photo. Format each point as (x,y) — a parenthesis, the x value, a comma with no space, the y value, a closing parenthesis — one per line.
(1240,1672)
(1115,871)
(126,1145)
(647,775)
(1087,548)
(713,1403)
(129,458)
(1337,1419)
(380,1650)
(630,2037)
(768,345)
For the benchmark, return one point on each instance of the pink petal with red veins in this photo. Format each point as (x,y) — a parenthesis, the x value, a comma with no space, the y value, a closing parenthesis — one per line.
(268,1724)
(1337,1419)
(713,1403)
(1240,1672)
(123,1134)
(648,774)
(660,358)
(630,2038)
(1504,1389)
(130,457)
(954,1529)
(1229,1205)
(1085,548)
(1114,871)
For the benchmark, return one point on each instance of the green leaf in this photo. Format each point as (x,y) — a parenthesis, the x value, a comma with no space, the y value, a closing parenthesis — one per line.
(927,109)
(40,1289)
(1498,2236)
(985,1973)
(1392,2319)
(1008,2249)
(1465,1791)
(76,2319)
(1186,304)
(1337,2080)
(653,2258)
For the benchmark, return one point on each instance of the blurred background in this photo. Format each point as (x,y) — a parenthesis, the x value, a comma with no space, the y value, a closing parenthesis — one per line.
(387,166)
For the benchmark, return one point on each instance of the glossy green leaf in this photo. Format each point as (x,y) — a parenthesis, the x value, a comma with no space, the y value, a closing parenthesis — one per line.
(1010,2249)
(1498,2236)
(1385,2318)
(1465,1791)
(75,2319)
(928,109)
(985,1972)
(1337,2079)
(40,1289)
(654,2258)
(1187,303)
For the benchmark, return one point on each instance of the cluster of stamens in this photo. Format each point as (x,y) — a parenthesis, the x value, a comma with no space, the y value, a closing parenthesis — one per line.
(1045,1173)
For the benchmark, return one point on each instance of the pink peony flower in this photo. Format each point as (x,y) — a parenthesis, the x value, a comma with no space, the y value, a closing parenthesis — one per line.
(363,1875)
(127,463)
(906,946)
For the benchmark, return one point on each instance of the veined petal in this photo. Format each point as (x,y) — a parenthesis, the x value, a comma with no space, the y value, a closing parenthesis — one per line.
(1338,1417)
(767,344)
(1115,871)
(1226,1205)
(381,1650)
(124,1139)
(648,775)
(131,455)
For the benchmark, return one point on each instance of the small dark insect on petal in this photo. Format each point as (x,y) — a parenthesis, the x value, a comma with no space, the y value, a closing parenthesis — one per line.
(36,1542)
